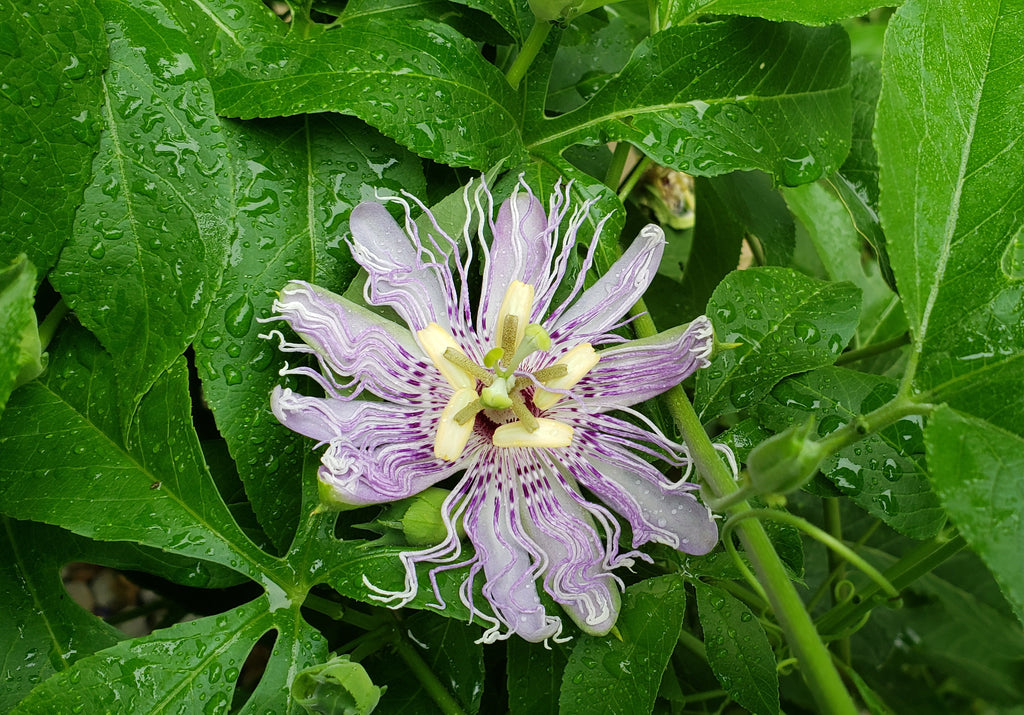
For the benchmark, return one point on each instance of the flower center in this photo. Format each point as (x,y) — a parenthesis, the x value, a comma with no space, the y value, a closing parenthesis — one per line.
(495,386)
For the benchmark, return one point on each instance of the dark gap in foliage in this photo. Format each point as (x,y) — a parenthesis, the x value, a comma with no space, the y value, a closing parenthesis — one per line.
(252,670)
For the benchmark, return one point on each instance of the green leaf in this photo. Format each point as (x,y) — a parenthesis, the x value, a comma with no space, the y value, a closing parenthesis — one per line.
(150,240)
(534,677)
(189,667)
(976,469)
(65,463)
(712,118)
(883,473)
(419,82)
(840,247)
(786,323)
(738,650)
(51,64)
(608,675)
(20,359)
(808,13)
(449,648)
(948,125)
(751,200)
(41,616)
(297,181)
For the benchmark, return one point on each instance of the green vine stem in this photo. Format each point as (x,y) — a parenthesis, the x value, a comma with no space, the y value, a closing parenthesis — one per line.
(836,565)
(613,176)
(874,349)
(526,56)
(430,682)
(920,560)
(634,177)
(818,535)
(815,661)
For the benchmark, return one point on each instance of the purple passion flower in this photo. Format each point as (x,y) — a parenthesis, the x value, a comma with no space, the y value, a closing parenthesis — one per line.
(510,392)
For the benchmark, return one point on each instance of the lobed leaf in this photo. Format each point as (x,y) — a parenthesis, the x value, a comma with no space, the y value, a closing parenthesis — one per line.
(420,82)
(66,464)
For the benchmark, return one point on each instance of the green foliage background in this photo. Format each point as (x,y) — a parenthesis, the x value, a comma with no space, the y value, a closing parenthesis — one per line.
(168,164)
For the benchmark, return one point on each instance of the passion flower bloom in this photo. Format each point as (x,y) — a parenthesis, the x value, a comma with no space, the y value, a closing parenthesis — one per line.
(510,392)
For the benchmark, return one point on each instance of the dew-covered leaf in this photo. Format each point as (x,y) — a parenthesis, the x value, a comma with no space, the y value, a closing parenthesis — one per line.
(449,649)
(31,556)
(949,122)
(189,667)
(419,82)
(66,464)
(608,675)
(808,13)
(534,677)
(708,118)
(150,240)
(50,99)
(738,650)
(883,473)
(297,181)
(785,323)
(976,468)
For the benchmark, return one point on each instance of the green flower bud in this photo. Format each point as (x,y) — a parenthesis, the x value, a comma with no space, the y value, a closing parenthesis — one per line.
(337,687)
(421,523)
(786,461)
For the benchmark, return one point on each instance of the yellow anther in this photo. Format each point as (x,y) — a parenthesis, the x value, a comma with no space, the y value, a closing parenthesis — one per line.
(451,437)
(435,340)
(549,433)
(578,362)
(518,301)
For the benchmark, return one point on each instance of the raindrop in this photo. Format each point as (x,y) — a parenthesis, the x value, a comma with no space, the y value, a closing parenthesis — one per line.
(238,317)
(806,332)
(890,470)
(232,375)
(98,250)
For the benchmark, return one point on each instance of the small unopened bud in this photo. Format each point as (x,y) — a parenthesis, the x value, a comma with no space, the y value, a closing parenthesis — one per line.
(786,461)
(422,523)
(337,687)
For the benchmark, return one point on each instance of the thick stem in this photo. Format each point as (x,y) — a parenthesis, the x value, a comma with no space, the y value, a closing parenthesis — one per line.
(815,661)
(526,56)
(48,327)
(613,177)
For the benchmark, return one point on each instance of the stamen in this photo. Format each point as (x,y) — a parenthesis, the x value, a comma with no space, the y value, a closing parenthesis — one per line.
(452,435)
(551,372)
(468,412)
(549,433)
(460,360)
(578,362)
(520,410)
(509,335)
(437,341)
